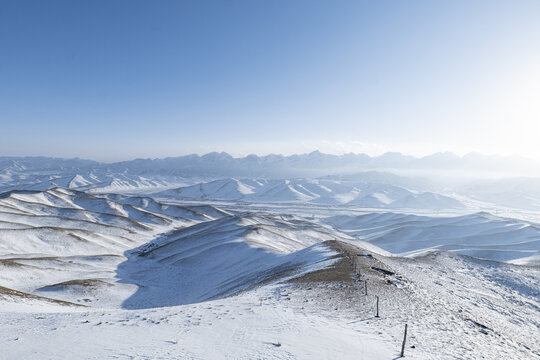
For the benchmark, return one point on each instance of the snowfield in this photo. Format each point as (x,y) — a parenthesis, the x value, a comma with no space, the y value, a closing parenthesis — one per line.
(98,264)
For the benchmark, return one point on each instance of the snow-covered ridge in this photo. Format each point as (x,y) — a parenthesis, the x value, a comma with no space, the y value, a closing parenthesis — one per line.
(481,235)
(317,191)
(134,251)
(93,181)
(221,257)
(440,181)
(302,165)
(65,222)
(191,273)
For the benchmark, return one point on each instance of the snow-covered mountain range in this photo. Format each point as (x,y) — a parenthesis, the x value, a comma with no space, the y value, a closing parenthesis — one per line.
(175,257)
(440,181)
(315,191)
(121,263)
(314,164)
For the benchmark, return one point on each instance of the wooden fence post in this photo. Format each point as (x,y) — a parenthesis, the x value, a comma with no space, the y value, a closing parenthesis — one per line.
(365,287)
(403,345)
(377,307)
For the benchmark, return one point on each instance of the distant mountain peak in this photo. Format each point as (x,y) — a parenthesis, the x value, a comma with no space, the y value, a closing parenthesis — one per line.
(313,164)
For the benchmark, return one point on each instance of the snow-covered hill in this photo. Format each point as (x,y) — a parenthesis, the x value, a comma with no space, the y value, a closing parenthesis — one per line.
(221,257)
(91,181)
(435,182)
(167,280)
(480,235)
(183,257)
(75,246)
(317,191)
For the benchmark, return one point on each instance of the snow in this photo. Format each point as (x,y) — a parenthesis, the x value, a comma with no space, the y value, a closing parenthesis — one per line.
(316,191)
(236,328)
(481,235)
(103,263)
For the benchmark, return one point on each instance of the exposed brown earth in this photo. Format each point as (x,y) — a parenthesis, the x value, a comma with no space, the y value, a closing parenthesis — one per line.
(7,292)
(90,283)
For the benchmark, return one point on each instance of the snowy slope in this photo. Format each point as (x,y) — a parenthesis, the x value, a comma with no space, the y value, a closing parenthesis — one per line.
(135,276)
(115,249)
(218,258)
(56,236)
(316,191)
(224,189)
(480,234)
(97,181)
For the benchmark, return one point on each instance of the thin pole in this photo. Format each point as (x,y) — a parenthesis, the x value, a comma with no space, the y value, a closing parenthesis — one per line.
(365,286)
(403,345)
(377,307)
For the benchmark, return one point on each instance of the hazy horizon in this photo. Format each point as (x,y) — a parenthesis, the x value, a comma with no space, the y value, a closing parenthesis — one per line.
(261,155)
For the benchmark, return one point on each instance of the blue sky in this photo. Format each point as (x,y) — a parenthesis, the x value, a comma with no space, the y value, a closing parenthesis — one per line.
(117,79)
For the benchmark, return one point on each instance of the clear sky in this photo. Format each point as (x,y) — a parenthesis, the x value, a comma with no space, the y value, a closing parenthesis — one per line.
(114,80)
